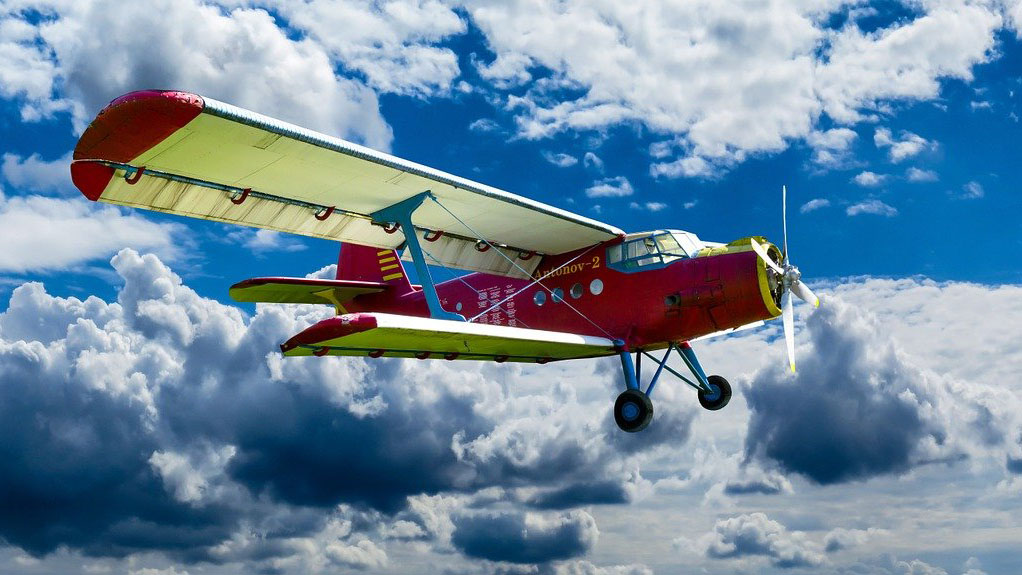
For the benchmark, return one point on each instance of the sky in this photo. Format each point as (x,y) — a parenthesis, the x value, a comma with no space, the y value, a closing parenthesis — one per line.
(149,426)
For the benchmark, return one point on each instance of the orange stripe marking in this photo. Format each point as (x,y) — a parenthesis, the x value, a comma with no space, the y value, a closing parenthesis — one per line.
(382,252)
(392,277)
(390,267)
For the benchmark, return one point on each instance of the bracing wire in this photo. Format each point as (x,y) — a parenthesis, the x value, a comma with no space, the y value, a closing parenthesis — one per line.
(512,262)
(477,292)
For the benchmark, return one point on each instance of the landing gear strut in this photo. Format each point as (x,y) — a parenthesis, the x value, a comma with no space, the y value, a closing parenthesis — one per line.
(633,409)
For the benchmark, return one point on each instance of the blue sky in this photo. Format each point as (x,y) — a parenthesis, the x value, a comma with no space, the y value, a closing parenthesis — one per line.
(152,429)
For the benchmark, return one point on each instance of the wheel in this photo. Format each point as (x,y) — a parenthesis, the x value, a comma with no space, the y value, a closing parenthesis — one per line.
(719,395)
(633,410)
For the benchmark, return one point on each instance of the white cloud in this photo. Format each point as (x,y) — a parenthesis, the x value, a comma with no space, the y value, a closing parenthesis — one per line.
(907,146)
(869,179)
(560,160)
(393,44)
(43,233)
(610,187)
(919,175)
(261,241)
(728,80)
(689,166)
(484,125)
(33,174)
(814,204)
(832,148)
(875,207)
(648,206)
(591,160)
(972,190)
(757,535)
(240,56)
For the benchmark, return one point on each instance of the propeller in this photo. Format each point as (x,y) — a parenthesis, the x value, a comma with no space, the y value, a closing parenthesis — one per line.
(791,282)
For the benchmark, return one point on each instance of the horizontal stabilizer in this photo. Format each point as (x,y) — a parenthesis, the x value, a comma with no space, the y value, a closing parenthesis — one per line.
(302,290)
(380,334)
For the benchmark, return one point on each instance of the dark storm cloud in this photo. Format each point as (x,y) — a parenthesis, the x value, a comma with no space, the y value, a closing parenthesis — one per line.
(855,409)
(167,422)
(757,535)
(1014,464)
(574,495)
(524,538)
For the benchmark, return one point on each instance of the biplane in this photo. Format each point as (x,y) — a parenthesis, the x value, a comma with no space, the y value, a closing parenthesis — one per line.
(544,284)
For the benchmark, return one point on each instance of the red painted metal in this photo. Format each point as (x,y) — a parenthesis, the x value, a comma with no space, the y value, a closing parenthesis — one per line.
(91,178)
(646,309)
(325,214)
(451,356)
(391,228)
(423,355)
(482,246)
(321,351)
(136,122)
(377,353)
(134,177)
(240,199)
(433,236)
(500,358)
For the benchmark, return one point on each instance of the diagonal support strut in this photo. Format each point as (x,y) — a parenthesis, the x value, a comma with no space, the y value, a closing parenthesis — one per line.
(401,213)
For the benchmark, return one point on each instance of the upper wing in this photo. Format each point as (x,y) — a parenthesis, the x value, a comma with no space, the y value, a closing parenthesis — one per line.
(199,154)
(376,334)
(302,290)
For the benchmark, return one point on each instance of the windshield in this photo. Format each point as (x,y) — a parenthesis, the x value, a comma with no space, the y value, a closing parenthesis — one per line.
(656,249)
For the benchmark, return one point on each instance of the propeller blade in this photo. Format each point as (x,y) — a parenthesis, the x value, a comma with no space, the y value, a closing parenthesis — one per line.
(784,220)
(789,327)
(805,294)
(762,253)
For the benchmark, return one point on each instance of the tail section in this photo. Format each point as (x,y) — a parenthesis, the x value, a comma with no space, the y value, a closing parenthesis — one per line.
(363,263)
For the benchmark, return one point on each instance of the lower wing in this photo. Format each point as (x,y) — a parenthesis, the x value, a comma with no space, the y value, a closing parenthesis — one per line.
(381,334)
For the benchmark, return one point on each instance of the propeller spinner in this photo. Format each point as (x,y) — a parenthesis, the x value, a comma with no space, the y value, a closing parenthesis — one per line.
(791,282)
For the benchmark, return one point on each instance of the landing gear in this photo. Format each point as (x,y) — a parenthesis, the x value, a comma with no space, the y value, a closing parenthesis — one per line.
(633,410)
(717,396)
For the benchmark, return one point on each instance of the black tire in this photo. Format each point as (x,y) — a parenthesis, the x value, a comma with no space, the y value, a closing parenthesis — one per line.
(720,396)
(633,410)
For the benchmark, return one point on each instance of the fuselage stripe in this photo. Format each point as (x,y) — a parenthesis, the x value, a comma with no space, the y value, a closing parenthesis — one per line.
(387,278)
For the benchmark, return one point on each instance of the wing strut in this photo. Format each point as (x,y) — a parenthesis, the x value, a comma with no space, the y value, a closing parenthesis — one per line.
(401,213)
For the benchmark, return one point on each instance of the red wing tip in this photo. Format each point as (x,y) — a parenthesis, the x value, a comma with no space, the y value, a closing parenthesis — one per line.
(136,122)
(175,96)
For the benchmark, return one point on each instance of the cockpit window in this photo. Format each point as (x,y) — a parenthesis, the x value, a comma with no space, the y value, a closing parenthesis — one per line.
(656,249)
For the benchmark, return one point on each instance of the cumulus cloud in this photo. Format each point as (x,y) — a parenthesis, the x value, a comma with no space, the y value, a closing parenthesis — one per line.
(261,241)
(920,175)
(832,148)
(610,187)
(560,160)
(166,422)
(869,179)
(757,535)
(813,205)
(393,44)
(45,233)
(525,537)
(907,146)
(972,190)
(874,207)
(736,80)
(34,174)
(857,408)
(650,206)
(239,55)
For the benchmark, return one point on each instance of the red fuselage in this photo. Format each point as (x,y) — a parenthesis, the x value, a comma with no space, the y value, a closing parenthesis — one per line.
(721,288)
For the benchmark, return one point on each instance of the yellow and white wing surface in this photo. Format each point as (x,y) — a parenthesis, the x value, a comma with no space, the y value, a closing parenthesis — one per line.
(381,334)
(184,154)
